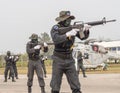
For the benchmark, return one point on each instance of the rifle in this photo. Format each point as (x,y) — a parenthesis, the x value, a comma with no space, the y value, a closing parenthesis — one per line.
(80,24)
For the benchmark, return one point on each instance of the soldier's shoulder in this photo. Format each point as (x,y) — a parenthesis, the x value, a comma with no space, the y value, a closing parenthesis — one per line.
(56,27)
(29,42)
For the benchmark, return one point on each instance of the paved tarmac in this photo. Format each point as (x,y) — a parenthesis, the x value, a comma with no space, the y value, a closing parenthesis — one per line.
(94,83)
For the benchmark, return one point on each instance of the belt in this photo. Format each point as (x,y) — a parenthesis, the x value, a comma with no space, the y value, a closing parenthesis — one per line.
(63,55)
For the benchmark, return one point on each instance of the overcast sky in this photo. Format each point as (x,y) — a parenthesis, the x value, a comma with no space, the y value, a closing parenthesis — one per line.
(20,18)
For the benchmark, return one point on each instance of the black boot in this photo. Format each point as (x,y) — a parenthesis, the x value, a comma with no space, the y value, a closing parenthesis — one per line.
(84,76)
(45,76)
(5,79)
(52,91)
(9,78)
(29,90)
(13,80)
(43,90)
(17,77)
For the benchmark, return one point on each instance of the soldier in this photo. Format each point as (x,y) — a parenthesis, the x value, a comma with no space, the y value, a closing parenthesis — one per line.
(33,50)
(9,60)
(63,61)
(15,59)
(80,64)
(43,64)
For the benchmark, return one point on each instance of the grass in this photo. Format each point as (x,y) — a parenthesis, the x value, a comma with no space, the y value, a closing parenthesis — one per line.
(22,68)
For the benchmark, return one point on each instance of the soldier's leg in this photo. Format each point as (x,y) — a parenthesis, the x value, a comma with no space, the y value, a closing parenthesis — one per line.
(78,68)
(39,73)
(9,74)
(15,71)
(12,73)
(30,75)
(57,74)
(44,69)
(72,78)
(83,71)
(6,73)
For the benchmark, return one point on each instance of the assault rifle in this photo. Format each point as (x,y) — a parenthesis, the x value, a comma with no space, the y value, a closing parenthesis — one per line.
(80,24)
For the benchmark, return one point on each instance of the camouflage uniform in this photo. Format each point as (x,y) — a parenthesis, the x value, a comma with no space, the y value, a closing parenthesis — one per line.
(63,61)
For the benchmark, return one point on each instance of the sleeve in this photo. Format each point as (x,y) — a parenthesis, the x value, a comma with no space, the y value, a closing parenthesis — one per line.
(16,58)
(83,34)
(29,50)
(57,37)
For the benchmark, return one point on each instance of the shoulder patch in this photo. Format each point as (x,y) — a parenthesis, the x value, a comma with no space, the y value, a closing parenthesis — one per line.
(55,27)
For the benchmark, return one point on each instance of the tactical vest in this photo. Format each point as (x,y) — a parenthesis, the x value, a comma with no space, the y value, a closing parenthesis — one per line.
(35,55)
(65,46)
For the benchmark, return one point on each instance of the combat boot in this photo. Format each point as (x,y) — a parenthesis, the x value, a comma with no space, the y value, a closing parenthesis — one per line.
(43,90)
(84,76)
(52,91)
(5,80)
(45,76)
(9,78)
(13,80)
(29,90)
(17,78)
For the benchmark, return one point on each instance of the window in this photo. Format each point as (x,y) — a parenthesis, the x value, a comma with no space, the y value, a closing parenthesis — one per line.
(113,49)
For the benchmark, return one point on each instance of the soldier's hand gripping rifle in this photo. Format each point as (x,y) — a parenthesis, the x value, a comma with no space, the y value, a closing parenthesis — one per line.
(80,24)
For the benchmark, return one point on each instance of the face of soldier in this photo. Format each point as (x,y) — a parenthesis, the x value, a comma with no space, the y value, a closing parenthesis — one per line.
(8,53)
(67,22)
(34,40)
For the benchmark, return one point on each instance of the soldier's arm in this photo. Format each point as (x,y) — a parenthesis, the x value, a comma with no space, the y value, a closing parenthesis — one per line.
(83,34)
(16,58)
(56,36)
(28,49)
(6,58)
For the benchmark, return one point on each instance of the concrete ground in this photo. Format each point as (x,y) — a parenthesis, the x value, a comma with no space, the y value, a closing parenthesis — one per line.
(94,83)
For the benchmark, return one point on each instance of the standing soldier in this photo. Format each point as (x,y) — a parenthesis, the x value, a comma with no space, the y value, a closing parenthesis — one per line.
(80,64)
(33,50)
(9,60)
(63,61)
(43,64)
(15,59)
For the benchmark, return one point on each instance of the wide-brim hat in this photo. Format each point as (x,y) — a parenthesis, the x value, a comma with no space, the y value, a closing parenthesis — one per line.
(33,36)
(63,15)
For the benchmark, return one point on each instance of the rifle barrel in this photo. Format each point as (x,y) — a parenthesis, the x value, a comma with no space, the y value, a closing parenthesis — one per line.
(111,21)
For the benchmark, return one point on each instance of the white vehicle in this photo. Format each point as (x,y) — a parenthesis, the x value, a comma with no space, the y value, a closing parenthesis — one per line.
(113,48)
(93,55)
